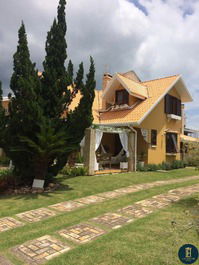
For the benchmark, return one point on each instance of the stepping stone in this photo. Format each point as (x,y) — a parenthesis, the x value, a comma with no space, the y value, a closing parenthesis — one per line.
(112,220)
(153,203)
(67,206)
(40,250)
(36,215)
(128,189)
(4,261)
(91,199)
(82,233)
(167,197)
(136,211)
(111,194)
(8,223)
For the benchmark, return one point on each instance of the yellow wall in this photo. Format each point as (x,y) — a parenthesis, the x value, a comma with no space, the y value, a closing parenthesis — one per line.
(158,120)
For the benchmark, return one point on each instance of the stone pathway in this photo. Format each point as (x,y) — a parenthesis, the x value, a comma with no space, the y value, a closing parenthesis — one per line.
(82,233)
(40,250)
(8,223)
(44,248)
(91,199)
(67,206)
(36,215)
(112,220)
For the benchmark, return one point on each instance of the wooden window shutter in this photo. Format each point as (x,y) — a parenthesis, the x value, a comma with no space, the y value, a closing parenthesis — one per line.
(168,105)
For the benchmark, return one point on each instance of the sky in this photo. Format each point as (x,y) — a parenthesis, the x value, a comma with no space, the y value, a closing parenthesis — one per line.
(155,38)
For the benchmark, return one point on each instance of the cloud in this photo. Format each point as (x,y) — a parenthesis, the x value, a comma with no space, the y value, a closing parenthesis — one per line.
(153,37)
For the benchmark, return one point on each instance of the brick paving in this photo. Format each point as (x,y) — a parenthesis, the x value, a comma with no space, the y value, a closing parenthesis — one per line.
(8,223)
(40,250)
(136,211)
(155,203)
(36,215)
(91,199)
(82,233)
(111,194)
(67,206)
(112,220)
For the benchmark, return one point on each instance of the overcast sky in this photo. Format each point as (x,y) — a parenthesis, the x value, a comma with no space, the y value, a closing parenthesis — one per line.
(155,38)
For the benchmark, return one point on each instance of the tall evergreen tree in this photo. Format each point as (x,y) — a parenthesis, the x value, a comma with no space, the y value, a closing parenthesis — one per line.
(24,107)
(39,137)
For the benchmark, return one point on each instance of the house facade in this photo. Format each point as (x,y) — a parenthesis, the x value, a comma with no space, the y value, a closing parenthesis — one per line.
(144,120)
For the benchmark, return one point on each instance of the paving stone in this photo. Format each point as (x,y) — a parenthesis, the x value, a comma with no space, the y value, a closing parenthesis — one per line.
(36,215)
(82,233)
(111,194)
(67,206)
(167,197)
(91,199)
(112,220)
(4,261)
(129,189)
(8,223)
(136,211)
(46,248)
(153,203)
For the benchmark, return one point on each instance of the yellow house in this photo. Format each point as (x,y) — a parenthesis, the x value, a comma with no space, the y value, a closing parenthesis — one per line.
(150,113)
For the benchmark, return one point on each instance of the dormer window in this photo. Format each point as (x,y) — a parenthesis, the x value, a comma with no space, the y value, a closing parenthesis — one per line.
(121,97)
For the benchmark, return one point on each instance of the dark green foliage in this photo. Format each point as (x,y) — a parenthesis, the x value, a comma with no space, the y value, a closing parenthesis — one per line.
(176,164)
(7,179)
(4,161)
(74,171)
(37,136)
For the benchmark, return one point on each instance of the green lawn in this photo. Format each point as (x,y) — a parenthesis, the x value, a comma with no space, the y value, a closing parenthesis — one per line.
(83,186)
(146,241)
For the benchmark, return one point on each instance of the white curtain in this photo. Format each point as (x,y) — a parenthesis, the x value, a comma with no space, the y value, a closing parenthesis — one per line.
(175,142)
(124,141)
(82,144)
(98,138)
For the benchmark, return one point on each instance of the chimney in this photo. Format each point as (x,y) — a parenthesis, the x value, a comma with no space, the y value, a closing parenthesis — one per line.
(106,79)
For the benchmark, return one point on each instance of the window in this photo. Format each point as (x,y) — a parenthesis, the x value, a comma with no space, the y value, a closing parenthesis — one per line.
(172,105)
(121,97)
(153,137)
(171,143)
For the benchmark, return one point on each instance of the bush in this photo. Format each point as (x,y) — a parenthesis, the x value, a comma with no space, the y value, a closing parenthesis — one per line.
(74,171)
(177,164)
(4,161)
(6,178)
(164,166)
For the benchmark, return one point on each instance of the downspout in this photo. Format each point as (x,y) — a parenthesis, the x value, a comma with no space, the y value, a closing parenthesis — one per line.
(135,147)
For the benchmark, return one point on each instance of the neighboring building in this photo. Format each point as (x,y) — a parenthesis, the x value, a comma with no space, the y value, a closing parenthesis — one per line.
(191,132)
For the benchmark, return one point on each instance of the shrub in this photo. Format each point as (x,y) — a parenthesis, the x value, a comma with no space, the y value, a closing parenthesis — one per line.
(74,171)
(4,161)
(177,164)
(164,166)
(6,178)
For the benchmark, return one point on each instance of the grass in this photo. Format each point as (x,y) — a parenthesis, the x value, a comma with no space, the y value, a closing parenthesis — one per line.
(151,240)
(151,236)
(84,186)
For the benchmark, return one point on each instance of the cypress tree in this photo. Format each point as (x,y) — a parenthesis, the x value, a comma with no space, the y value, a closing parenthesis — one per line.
(24,107)
(39,138)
